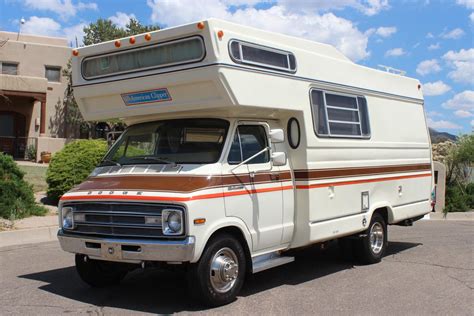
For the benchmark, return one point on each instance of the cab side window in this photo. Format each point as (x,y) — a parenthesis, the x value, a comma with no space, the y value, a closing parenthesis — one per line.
(249,140)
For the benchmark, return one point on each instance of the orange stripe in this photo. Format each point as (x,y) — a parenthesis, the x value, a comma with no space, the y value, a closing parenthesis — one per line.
(328,184)
(175,199)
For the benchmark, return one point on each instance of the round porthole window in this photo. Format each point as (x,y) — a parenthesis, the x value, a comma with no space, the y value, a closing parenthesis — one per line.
(294,133)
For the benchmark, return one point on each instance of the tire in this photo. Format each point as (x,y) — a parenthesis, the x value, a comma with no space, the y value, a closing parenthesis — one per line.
(206,278)
(371,248)
(97,273)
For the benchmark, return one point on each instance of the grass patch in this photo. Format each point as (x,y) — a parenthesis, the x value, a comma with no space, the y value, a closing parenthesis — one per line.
(36,176)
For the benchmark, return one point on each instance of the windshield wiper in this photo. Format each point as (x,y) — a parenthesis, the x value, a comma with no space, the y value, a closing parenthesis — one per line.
(111,161)
(156,159)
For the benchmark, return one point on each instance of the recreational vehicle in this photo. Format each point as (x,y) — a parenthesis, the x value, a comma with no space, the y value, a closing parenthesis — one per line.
(241,145)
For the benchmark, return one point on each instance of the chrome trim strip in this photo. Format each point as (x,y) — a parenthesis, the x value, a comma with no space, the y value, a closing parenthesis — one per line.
(278,74)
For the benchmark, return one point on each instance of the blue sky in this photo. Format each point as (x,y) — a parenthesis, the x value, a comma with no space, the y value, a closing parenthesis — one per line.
(430,40)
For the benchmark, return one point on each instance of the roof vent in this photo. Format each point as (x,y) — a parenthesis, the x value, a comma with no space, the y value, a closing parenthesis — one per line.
(393,70)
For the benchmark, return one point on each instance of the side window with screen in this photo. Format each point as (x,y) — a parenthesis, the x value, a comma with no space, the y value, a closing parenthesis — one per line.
(249,140)
(337,115)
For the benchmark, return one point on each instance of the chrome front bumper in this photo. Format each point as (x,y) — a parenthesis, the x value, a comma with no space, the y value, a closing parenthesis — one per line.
(129,250)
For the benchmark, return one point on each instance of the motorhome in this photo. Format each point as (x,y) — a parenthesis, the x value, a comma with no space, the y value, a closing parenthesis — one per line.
(241,145)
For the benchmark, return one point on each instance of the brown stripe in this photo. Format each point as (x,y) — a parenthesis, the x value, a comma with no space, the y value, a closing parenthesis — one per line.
(182,183)
(317,174)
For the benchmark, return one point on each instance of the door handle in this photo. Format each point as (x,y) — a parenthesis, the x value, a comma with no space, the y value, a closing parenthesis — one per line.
(235,187)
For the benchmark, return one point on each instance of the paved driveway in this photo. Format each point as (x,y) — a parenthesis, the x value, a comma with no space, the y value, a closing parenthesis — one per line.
(428,270)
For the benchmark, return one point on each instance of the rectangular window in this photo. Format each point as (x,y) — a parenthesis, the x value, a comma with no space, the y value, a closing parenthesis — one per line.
(249,140)
(144,58)
(340,115)
(9,68)
(261,56)
(53,74)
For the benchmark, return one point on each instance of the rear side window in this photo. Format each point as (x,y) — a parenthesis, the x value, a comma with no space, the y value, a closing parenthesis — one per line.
(340,115)
(262,56)
(249,140)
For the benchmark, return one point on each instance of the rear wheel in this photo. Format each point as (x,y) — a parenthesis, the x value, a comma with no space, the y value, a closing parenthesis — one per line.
(218,276)
(99,273)
(371,247)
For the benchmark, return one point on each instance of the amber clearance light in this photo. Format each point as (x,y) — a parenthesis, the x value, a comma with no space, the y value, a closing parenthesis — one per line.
(147,37)
(220,34)
(200,25)
(132,40)
(117,43)
(75,52)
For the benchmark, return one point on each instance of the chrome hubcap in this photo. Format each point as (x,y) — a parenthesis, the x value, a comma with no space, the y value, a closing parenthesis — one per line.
(376,238)
(224,270)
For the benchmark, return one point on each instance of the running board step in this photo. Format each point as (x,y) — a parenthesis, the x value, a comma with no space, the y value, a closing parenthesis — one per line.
(268,261)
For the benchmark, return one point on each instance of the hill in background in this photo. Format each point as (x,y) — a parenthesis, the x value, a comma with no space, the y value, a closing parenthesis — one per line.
(439,137)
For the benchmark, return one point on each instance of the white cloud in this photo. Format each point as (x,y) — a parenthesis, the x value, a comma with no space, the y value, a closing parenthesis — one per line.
(122,19)
(64,8)
(463,114)
(442,124)
(462,63)
(434,46)
(386,31)
(327,28)
(472,123)
(428,67)
(75,32)
(467,3)
(41,26)
(395,52)
(461,101)
(433,114)
(430,35)
(435,88)
(368,7)
(471,17)
(453,34)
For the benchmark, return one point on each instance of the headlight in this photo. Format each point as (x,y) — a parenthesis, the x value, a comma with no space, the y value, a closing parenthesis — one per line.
(172,222)
(67,218)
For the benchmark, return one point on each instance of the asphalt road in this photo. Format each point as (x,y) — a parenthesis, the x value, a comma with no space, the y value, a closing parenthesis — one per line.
(428,270)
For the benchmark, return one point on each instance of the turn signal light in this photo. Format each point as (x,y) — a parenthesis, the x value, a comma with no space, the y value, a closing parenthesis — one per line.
(147,37)
(132,40)
(75,52)
(200,25)
(199,221)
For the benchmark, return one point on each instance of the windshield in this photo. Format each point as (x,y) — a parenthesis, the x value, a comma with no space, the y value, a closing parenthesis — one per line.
(183,141)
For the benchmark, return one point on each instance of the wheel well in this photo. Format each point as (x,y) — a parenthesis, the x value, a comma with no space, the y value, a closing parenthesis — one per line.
(384,212)
(237,233)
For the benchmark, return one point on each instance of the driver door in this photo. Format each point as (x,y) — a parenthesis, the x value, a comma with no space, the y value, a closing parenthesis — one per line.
(253,191)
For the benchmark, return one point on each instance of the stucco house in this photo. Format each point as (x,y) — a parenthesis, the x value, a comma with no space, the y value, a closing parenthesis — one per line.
(31,93)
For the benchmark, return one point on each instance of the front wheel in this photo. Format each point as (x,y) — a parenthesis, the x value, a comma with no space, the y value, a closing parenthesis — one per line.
(218,276)
(371,247)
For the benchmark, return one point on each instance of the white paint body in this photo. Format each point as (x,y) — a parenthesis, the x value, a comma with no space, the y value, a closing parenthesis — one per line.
(302,212)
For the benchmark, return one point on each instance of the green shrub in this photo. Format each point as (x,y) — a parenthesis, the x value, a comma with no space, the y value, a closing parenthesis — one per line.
(16,195)
(31,152)
(459,198)
(72,165)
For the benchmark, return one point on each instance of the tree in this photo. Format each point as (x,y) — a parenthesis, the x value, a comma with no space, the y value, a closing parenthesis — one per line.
(104,30)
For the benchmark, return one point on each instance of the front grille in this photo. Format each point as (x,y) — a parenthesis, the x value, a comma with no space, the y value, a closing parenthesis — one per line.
(118,220)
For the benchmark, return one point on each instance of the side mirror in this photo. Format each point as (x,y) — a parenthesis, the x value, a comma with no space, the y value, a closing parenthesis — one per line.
(279,158)
(277,135)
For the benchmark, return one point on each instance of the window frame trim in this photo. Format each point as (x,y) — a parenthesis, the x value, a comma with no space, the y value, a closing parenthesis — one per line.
(11,63)
(51,67)
(164,66)
(266,128)
(263,47)
(329,134)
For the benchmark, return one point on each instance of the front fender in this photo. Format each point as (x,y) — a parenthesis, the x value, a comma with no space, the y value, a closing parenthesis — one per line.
(207,230)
